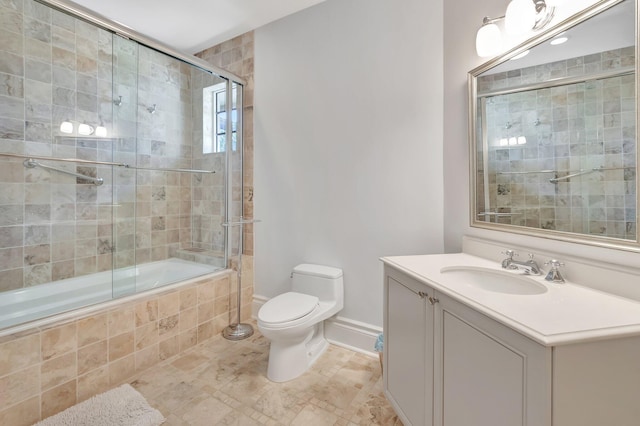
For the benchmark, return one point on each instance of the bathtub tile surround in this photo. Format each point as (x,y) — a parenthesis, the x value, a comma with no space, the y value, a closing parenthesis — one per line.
(222,382)
(247,288)
(46,369)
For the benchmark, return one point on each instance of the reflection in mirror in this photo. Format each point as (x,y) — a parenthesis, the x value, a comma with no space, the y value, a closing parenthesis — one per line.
(555,134)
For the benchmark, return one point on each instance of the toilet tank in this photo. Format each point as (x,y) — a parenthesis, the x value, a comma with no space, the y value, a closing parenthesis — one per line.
(324,282)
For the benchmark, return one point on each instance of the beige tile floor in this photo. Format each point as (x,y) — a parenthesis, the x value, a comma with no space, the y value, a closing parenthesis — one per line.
(224,383)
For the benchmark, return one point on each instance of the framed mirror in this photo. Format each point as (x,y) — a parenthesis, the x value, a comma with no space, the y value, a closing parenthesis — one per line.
(553,132)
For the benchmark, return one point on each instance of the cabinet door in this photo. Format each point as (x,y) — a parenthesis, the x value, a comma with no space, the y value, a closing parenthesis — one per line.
(408,350)
(489,374)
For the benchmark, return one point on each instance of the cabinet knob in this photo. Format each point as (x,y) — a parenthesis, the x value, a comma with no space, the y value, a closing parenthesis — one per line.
(433,300)
(422,294)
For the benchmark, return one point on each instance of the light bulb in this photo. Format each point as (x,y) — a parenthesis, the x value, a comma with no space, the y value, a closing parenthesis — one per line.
(101,131)
(520,17)
(488,40)
(66,127)
(85,129)
(522,140)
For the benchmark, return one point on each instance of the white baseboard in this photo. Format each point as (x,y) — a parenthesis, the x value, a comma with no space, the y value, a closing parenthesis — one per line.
(350,334)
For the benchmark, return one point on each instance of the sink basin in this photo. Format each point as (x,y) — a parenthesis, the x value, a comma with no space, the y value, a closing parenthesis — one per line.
(495,280)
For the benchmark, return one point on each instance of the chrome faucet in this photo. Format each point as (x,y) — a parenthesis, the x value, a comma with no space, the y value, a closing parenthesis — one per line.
(554,274)
(530,267)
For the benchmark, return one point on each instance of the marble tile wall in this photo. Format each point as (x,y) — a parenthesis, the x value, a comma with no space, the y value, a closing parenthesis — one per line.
(54,67)
(208,190)
(164,137)
(236,56)
(568,128)
(45,370)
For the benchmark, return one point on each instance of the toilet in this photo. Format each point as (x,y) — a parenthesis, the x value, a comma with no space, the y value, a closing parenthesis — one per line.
(293,321)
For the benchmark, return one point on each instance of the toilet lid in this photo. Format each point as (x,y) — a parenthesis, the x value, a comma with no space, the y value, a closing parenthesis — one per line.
(287,307)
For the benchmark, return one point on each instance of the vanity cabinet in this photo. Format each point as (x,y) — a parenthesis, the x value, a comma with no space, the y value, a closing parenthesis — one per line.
(409,346)
(446,364)
(486,374)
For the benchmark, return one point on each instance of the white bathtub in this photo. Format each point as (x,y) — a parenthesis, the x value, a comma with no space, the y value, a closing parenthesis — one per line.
(41,301)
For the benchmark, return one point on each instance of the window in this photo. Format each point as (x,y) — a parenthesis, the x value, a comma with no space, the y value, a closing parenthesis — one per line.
(214,122)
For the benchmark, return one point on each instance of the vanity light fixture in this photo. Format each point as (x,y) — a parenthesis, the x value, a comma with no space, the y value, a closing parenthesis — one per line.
(489,38)
(520,140)
(101,131)
(85,130)
(66,127)
(521,16)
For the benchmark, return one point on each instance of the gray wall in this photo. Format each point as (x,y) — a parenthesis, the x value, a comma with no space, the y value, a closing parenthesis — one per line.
(348,143)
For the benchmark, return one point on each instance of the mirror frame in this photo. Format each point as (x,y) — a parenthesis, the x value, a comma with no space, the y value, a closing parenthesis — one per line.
(602,241)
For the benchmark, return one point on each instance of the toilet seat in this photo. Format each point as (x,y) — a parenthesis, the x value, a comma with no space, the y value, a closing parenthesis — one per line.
(287,307)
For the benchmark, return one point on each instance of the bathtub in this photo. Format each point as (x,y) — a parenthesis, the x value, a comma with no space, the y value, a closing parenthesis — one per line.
(41,301)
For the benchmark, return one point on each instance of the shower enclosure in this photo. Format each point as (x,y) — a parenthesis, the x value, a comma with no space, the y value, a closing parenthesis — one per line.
(119,161)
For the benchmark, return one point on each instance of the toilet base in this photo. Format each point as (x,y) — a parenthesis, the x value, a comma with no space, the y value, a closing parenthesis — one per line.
(289,360)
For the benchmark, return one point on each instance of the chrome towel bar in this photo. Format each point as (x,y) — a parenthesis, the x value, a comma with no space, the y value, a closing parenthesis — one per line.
(241,221)
(102,163)
(31,163)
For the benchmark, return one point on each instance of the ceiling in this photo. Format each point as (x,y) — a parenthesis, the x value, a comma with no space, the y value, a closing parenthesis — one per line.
(194,25)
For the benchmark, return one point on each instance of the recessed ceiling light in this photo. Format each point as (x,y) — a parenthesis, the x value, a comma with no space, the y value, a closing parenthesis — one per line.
(520,55)
(559,40)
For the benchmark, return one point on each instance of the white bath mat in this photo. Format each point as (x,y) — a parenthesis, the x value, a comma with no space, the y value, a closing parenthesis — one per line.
(122,406)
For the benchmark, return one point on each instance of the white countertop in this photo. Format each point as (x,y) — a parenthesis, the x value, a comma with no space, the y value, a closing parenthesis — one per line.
(565,313)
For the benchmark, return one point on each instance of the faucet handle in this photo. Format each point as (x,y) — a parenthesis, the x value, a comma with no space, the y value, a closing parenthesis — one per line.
(510,253)
(555,264)
(554,274)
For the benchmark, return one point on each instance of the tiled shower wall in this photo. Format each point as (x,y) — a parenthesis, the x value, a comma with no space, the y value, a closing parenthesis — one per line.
(236,56)
(568,129)
(208,190)
(54,67)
